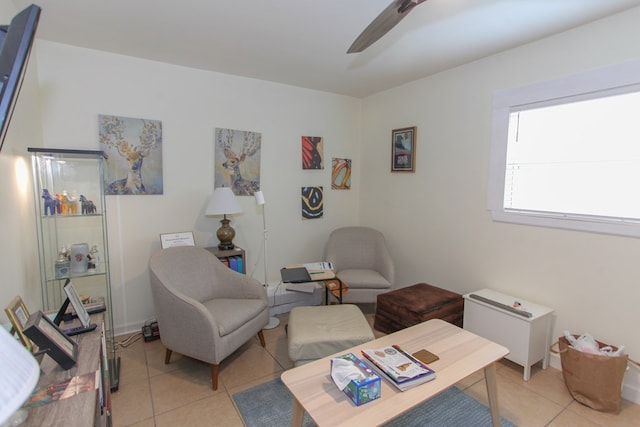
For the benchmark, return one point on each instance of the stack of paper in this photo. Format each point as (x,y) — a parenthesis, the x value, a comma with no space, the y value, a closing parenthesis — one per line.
(398,367)
(318,266)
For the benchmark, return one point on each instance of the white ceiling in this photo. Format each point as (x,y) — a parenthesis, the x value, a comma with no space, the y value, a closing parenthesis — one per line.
(304,42)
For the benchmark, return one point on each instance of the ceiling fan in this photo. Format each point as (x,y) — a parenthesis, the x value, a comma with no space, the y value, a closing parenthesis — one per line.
(380,26)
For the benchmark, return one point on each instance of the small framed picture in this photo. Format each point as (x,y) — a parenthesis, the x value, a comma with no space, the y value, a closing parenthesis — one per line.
(403,149)
(18,316)
(42,331)
(169,240)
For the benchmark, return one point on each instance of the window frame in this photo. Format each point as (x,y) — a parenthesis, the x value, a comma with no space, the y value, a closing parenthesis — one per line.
(616,79)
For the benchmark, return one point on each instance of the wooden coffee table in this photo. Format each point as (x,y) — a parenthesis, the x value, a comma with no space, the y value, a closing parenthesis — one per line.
(461,354)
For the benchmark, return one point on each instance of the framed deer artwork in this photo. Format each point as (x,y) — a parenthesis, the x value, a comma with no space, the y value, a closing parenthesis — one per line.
(134,150)
(237,160)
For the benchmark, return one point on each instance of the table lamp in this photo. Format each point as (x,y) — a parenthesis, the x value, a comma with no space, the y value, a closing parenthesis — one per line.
(19,371)
(223,202)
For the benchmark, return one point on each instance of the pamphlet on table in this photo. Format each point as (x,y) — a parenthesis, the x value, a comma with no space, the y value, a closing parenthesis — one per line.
(398,367)
(318,266)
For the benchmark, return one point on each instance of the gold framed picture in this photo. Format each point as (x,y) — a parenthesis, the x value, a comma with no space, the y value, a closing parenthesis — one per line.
(18,316)
(403,149)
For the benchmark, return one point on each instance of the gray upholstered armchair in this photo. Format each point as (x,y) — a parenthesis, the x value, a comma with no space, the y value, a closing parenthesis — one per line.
(361,259)
(204,309)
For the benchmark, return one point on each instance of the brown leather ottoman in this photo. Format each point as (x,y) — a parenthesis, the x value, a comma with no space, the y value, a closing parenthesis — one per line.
(415,304)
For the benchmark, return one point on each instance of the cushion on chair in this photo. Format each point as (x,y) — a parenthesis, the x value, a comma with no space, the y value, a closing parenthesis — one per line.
(231,314)
(415,304)
(316,332)
(369,279)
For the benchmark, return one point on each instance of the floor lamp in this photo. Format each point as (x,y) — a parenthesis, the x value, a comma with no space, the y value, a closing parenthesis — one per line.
(273,321)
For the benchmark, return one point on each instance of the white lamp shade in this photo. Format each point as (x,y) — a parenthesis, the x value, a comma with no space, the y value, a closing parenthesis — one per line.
(19,372)
(223,202)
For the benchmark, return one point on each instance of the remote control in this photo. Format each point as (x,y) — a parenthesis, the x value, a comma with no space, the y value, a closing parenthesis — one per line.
(80,330)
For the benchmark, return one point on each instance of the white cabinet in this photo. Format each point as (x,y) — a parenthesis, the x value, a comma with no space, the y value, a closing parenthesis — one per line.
(521,326)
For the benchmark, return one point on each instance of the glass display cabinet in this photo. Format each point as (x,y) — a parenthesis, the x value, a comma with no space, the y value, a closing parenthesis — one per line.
(72,233)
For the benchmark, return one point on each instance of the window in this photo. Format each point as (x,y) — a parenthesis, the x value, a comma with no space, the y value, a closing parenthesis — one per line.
(566,153)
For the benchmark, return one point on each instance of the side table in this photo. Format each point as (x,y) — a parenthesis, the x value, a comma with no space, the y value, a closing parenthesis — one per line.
(322,276)
(234,258)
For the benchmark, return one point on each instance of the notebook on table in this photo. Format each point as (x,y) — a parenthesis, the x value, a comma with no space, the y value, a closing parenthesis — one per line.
(295,275)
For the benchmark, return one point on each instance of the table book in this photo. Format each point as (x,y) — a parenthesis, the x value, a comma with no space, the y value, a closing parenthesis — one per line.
(398,367)
(318,266)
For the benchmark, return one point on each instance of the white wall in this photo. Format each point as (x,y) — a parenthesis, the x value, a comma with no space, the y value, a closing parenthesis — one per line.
(437,222)
(77,84)
(19,273)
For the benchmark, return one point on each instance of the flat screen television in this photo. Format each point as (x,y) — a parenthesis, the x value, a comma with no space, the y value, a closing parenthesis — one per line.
(16,40)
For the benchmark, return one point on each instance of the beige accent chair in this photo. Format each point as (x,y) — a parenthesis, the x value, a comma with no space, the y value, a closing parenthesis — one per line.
(361,259)
(204,309)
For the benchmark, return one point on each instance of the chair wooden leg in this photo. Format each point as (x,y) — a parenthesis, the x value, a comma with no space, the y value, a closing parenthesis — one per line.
(167,356)
(214,376)
(261,336)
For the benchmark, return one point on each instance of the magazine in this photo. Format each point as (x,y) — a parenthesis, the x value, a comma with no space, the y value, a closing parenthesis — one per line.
(398,367)
(63,390)
(318,266)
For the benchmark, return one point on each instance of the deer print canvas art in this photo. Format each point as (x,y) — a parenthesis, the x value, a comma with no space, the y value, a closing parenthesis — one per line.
(237,160)
(134,155)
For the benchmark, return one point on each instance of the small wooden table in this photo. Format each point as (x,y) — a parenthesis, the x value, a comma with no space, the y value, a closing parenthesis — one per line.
(323,276)
(461,354)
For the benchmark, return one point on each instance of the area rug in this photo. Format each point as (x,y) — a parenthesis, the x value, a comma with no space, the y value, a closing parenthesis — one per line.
(270,405)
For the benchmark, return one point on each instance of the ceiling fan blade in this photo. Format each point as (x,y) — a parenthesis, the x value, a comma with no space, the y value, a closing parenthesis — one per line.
(388,18)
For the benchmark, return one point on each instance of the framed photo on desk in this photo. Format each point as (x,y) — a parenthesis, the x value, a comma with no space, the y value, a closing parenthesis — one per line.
(51,339)
(169,240)
(18,316)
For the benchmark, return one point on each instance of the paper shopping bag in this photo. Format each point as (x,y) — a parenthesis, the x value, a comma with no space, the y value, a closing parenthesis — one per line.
(593,380)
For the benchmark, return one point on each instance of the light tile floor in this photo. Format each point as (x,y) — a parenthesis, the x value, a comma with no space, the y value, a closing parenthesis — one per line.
(179,394)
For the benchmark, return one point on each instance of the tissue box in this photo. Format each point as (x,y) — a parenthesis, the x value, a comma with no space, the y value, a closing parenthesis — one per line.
(366,389)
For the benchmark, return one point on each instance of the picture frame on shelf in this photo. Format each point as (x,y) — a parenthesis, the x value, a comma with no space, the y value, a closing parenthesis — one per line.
(19,316)
(403,149)
(168,240)
(43,332)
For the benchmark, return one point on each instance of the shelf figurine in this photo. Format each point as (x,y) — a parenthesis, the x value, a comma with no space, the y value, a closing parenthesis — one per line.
(65,202)
(62,264)
(88,207)
(49,202)
(94,259)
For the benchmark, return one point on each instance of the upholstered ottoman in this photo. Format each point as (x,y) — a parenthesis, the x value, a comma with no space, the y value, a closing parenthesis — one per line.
(318,331)
(404,307)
